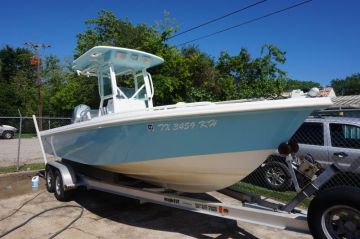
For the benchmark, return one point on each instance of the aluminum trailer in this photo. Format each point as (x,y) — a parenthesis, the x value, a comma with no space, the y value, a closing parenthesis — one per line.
(254,214)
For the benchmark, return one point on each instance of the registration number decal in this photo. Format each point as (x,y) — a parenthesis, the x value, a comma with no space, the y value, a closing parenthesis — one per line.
(188,125)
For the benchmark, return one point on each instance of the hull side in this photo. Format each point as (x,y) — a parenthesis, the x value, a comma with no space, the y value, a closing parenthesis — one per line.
(201,173)
(181,137)
(121,147)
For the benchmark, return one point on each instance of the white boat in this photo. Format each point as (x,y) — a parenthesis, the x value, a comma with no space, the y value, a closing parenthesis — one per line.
(190,147)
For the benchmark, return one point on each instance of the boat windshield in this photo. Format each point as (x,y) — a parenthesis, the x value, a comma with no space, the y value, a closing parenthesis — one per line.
(105,87)
(129,92)
(132,86)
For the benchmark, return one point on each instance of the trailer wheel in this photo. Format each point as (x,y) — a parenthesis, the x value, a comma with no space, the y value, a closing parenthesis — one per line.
(60,193)
(50,179)
(335,214)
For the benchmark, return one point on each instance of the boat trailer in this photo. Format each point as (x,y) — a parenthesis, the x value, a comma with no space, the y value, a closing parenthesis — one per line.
(63,178)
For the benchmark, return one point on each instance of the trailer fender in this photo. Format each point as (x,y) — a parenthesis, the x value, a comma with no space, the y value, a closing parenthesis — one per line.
(67,174)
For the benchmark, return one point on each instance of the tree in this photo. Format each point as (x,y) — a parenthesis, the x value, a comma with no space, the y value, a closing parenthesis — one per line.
(76,90)
(63,89)
(108,30)
(189,74)
(348,86)
(17,85)
(302,85)
(199,83)
(253,77)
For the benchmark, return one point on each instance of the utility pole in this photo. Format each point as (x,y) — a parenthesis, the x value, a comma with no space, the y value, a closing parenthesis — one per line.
(36,47)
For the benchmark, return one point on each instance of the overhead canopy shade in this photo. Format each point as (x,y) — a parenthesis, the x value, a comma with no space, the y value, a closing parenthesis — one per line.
(123,59)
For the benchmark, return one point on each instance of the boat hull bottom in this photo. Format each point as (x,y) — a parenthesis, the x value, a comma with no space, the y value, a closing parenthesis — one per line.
(198,174)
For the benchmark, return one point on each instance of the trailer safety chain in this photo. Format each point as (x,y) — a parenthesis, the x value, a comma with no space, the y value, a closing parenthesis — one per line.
(38,214)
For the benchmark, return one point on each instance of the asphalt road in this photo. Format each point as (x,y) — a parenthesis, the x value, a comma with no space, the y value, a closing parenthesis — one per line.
(29,151)
(109,216)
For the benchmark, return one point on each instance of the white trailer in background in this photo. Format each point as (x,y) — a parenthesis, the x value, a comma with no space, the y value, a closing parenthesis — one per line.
(333,213)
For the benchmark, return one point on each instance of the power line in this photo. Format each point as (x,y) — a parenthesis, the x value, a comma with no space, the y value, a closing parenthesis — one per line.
(216,19)
(247,22)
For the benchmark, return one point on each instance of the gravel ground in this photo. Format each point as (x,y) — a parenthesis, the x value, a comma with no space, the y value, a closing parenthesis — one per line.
(29,152)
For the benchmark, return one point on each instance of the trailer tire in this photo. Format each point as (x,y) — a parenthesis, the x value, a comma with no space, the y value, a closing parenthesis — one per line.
(49,179)
(60,193)
(334,213)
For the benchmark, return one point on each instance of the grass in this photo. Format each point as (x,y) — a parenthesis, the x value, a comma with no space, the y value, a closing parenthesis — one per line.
(278,196)
(26,135)
(25,167)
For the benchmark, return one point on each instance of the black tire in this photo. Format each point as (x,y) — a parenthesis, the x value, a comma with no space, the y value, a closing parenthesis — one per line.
(49,179)
(8,135)
(276,176)
(334,213)
(59,192)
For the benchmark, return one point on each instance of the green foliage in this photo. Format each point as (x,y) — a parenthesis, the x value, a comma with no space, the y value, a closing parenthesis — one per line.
(61,90)
(108,30)
(169,77)
(53,79)
(302,85)
(189,75)
(200,77)
(348,86)
(258,77)
(17,88)
(14,60)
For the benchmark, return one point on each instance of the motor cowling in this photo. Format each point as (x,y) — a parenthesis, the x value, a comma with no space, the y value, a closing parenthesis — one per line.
(81,113)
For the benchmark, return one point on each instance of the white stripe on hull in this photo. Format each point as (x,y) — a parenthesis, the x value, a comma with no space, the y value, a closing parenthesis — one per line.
(201,173)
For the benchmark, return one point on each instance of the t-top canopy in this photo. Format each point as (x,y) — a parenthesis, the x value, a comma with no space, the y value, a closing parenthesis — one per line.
(123,60)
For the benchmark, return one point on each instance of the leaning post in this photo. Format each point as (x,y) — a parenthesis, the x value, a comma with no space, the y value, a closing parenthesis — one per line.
(39,138)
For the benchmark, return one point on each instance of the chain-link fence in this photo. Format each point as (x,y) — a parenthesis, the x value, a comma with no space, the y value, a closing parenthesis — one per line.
(18,142)
(323,141)
(28,124)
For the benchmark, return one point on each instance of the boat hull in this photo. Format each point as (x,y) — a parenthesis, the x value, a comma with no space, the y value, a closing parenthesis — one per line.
(201,173)
(194,153)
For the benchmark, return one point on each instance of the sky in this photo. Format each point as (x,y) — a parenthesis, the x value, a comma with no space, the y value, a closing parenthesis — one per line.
(321,38)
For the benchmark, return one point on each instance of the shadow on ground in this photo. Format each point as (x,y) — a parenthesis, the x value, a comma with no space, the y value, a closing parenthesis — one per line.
(157,217)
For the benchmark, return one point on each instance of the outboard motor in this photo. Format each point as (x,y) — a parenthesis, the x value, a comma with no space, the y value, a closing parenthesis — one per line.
(81,113)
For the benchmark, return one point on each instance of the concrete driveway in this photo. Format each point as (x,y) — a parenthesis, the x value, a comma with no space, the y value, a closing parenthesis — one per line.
(109,216)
